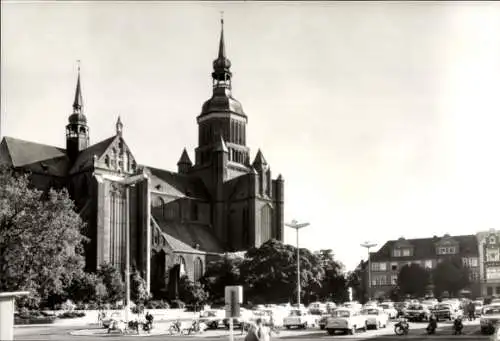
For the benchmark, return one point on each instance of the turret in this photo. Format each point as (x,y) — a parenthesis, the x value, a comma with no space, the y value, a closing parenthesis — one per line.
(184,164)
(77,131)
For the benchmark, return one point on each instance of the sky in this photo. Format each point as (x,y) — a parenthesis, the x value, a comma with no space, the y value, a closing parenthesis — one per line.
(382,117)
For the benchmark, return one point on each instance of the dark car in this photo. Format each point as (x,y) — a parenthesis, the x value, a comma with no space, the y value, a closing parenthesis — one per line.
(418,313)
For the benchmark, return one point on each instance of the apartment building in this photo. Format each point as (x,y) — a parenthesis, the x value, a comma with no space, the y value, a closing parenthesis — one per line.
(489,262)
(426,252)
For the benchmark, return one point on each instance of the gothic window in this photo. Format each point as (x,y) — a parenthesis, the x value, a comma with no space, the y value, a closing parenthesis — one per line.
(158,202)
(194,211)
(106,160)
(198,269)
(82,130)
(244,224)
(126,161)
(266,223)
(182,262)
(163,241)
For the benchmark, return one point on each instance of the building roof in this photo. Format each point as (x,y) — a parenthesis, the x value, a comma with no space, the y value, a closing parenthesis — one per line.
(183,237)
(425,248)
(37,157)
(190,186)
(86,157)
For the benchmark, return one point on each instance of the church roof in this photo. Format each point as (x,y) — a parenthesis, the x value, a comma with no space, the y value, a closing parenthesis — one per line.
(189,185)
(86,157)
(183,237)
(36,157)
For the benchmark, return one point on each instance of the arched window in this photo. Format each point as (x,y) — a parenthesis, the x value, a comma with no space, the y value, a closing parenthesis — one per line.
(156,237)
(198,269)
(182,262)
(171,210)
(266,223)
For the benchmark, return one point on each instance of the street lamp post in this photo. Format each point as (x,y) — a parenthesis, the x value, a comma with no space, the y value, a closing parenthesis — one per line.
(368,246)
(296,225)
(128,182)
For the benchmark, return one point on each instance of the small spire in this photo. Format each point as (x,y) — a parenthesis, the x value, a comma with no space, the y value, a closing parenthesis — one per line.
(119,126)
(78,102)
(222,47)
(221,146)
(184,160)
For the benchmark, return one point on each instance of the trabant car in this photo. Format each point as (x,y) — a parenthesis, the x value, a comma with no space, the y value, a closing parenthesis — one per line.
(478,307)
(490,317)
(389,309)
(299,318)
(240,322)
(352,305)
(446,311)
(212,318)
(417,312)
(375,317)
(346,320)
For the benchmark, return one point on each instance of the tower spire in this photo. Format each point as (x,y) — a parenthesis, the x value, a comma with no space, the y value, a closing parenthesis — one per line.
(78,102)
(222,74)
(222,47)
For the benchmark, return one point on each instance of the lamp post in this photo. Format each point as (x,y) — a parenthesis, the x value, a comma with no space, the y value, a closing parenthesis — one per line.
(296,225)
(368,246)
(128,182)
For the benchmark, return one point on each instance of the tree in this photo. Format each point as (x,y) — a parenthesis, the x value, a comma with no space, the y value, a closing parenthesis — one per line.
(83,287)
(333,285)
(450,275)
(220,273)
(269,272)
(192,293)
(413,280)
(112,280)
(357,280)
(138,291)
(41,244)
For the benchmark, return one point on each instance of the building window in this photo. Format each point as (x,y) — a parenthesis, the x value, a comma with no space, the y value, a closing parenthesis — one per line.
(497,290)
(198,269)
(394,266)
(493,273)
(428,264)
(473,262)
(379,267)
(171,210)
(474,276)
(406,252)
(397,253)
(489,291)
(266,223)
(182,262)
(379,280)
(450,250)
(492,255)
(492,240)
(394,279)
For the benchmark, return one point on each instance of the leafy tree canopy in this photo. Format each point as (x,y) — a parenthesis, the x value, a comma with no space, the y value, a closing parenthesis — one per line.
(450,275)
(192,293)
(40,238)
(112,280)
(220,273)
(413,280)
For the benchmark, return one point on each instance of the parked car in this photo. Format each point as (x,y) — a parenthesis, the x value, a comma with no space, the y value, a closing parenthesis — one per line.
(352,305)
(238,322)
(212,318)
(317,308)
(322,321)
(430,302)
(389,309)
(264,315)
(418,312)
(478,307)
(490,317)
(375,317)
(447,311)
(299,318)
(401,308)
(346,320)
(330,306)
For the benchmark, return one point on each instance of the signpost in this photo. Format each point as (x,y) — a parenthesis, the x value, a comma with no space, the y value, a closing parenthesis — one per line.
(233,299)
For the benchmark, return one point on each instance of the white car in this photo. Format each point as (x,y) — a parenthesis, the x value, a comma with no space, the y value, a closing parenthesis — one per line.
(490,317)
(389,309)
(346,320)
(352,305)
(299,318)
(317,308)
(375,317)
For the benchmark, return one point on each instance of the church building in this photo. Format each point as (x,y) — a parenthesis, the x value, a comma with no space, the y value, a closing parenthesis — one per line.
(219,201)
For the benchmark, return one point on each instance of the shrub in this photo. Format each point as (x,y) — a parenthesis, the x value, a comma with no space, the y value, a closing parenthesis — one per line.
(71,314)
(157,305)
(177,304)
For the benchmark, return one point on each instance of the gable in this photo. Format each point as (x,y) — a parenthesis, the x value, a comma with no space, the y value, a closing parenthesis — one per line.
(178,185)
(117,157)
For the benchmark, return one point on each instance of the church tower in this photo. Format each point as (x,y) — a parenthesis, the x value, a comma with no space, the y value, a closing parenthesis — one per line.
(222,117)
(77,131)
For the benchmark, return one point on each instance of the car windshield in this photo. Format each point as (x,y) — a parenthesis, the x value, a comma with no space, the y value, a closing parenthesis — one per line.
(370,312)
(478,304)
(443,306)
(208,314)
(341,313)
(296,313)
(415,307)
(491,311)
(386,306)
